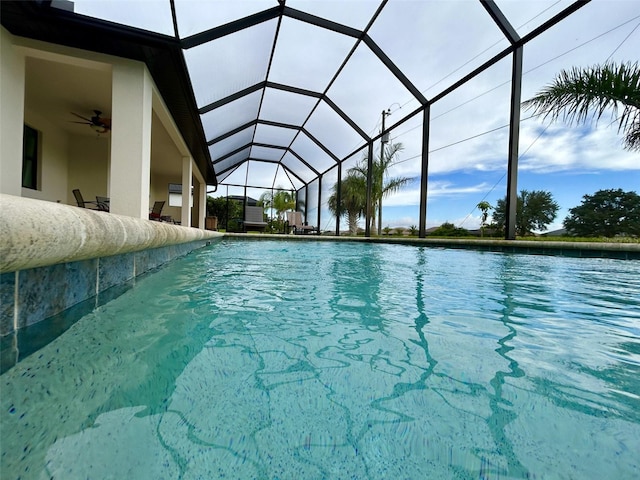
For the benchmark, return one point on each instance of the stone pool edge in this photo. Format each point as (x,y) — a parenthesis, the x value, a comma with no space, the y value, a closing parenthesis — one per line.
(54,256)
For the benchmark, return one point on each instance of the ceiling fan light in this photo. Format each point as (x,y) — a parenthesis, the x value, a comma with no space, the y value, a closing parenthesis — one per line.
(99,128)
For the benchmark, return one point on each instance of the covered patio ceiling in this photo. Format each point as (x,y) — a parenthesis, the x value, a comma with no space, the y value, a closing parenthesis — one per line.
(286,90)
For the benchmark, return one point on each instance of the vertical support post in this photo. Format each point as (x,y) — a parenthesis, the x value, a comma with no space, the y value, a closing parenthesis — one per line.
(306,200)
(226,220)
(339,199)
(367,227)
(202,204)
(131,139)
(187,175)
(245,201)
(381,172)
(271,206)
(514,138)
(424,175)
(244,207)
(319,202)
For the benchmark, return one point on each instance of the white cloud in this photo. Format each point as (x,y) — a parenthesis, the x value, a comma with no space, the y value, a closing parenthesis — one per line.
(411,196)
(577,149)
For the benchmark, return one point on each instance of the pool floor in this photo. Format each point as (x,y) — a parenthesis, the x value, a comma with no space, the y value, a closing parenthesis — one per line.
(270,360)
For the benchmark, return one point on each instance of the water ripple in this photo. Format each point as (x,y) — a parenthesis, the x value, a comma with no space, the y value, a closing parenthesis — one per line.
(254,360)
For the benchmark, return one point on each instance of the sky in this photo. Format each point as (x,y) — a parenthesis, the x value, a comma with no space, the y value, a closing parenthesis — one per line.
(434,43)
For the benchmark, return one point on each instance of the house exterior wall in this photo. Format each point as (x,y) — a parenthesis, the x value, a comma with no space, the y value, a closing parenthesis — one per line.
(119,164)
(88,167)
(131,139)
(160,191)
(12,87)
(53,159)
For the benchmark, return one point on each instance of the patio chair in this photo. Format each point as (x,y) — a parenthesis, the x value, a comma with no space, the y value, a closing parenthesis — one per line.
(254,219)
(81,202)
(156,211)
(103,203)
(298,226)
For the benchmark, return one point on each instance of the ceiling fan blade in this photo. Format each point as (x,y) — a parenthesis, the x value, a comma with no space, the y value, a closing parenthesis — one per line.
(80,116)
(83,123)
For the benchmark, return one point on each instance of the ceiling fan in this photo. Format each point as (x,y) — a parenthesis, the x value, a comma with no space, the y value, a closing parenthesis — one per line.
(98,124)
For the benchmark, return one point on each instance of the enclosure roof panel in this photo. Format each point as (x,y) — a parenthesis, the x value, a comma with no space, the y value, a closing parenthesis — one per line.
(308,64)
(226,118)
(356,14)
(231,63)
(231,161)
(299,84)
(526,16)
(232,143)
(274,134)
(196,16)
(475,39)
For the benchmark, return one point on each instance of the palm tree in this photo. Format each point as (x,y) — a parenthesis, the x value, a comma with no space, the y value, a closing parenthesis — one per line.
(484,207)
(281,201)
(382,185)
(579,94)
(353,200)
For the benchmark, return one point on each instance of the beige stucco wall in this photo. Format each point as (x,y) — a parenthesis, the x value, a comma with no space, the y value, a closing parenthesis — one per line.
(88,167)
(11,107)
(53,160)
(160,191)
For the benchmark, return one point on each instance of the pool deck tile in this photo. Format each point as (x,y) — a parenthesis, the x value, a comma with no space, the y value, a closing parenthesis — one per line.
(115,270)
(45,291)
(7,295)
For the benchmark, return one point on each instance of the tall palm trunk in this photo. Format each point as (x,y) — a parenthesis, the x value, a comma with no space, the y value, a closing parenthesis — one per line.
(352,221)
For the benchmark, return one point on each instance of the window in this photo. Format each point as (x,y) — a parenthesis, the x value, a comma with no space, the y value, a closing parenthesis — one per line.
(30,158)
(175,195)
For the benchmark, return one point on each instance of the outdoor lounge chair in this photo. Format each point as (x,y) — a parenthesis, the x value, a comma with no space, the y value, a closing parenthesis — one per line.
(298,226)
(156,211)
(254,219)
(103,203)
(82,203)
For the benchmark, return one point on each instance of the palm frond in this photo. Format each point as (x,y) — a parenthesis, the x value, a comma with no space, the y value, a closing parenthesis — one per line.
(632,139)
(392,185)
(578,95)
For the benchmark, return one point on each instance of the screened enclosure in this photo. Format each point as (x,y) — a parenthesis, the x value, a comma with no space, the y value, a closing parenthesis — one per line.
(292,94)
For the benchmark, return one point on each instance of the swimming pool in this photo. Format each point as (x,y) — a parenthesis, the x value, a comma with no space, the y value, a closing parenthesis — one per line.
(321,360)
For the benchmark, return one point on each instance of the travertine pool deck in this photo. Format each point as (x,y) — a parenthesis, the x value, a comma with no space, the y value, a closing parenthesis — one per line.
(54,256)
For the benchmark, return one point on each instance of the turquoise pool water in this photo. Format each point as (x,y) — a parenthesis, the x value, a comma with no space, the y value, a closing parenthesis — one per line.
(318,360)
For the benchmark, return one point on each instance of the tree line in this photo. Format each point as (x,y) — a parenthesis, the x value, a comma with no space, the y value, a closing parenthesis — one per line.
(606,213)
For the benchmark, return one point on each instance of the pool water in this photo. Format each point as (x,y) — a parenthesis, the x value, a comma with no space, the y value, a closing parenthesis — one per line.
(320,360)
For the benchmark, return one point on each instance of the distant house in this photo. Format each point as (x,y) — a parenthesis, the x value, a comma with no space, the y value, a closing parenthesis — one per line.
(556,233)
(252,202)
